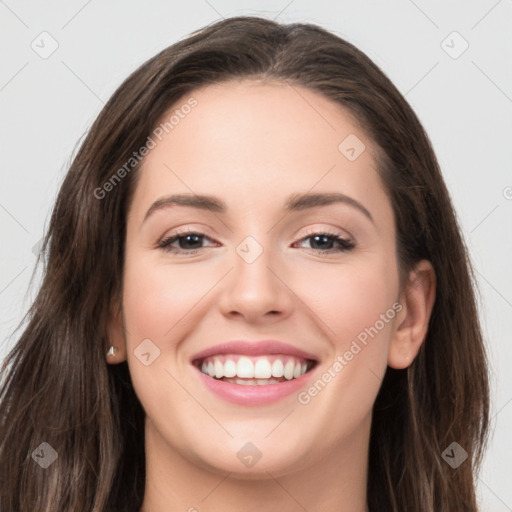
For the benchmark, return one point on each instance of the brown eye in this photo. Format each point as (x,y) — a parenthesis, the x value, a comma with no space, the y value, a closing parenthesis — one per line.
(189,242)
(324,242)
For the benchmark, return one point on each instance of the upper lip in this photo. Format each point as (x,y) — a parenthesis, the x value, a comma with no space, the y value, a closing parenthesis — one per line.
(254,348)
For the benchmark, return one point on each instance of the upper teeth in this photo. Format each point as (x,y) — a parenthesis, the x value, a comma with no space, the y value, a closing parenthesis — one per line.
(255,367)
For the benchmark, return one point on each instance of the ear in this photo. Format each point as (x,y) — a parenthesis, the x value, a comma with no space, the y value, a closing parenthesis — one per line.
(417,300)
(115,335)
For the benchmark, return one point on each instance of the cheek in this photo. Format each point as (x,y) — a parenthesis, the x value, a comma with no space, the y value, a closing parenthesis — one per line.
(157,296)
(355,306)
(350,298)
(157,304)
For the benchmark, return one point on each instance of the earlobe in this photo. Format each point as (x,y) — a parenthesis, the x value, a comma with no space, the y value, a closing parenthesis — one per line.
(115,352)
(411,326)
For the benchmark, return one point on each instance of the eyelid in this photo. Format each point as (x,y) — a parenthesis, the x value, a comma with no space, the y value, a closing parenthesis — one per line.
(185,230)
(179,232)
(311,231)
(330,231)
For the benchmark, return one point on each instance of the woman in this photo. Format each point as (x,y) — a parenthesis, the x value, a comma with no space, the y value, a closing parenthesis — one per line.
(256,297)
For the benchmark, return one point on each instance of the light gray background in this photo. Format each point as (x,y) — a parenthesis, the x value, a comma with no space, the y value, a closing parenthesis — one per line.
(465,104)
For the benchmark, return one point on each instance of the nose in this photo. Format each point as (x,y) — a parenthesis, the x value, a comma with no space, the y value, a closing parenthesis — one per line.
(257,291)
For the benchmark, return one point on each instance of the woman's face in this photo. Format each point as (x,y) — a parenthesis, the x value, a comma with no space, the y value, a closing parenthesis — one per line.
(258,270)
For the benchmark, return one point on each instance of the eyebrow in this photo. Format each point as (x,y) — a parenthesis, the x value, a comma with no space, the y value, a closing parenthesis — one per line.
(295,202)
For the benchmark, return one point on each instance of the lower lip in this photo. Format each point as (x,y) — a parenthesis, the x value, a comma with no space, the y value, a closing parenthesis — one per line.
(255,394)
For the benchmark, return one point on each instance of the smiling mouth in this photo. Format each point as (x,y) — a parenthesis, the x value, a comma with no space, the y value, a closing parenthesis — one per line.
(254,370)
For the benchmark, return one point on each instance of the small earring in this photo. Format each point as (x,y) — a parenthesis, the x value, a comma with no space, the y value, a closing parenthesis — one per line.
(111,351)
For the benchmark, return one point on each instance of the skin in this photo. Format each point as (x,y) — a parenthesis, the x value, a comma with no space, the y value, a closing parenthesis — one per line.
(252,144)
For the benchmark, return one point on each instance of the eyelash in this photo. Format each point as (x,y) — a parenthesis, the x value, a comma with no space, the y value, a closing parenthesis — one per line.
(345,245)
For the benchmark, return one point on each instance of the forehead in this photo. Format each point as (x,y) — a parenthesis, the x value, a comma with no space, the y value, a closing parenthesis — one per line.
(255,143)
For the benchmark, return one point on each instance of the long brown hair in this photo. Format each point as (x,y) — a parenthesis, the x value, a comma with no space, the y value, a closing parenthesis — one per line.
(57,387)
